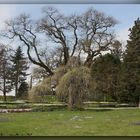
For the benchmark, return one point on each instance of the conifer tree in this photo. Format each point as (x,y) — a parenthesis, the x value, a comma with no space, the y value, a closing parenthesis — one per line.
(130,82)
(23,90)
(20,67)
(104,72)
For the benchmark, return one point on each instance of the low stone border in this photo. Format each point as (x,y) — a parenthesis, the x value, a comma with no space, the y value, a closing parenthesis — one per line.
(111,108)
(15,110)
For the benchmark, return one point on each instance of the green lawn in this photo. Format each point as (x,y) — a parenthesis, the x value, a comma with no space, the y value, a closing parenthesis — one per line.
(72,123)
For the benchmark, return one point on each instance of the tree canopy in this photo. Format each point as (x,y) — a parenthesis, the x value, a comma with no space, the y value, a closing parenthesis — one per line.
(89,33)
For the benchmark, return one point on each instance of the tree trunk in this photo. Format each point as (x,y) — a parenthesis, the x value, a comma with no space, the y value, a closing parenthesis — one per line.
(4,95)
(70,101)
(16,86)
(4,89)
(88,61)
(31,82)
(139,102)
(16,89)
(16,81)
(66,55)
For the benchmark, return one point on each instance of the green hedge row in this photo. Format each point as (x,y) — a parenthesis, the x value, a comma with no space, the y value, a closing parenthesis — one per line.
(9,98)
(48,108)
(34,107)
(107,104)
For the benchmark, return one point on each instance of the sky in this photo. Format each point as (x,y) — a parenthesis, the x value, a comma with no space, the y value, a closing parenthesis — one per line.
(126,14)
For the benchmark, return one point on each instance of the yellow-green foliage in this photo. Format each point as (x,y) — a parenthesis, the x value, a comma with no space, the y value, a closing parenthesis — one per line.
(39,92)
(76,84)
(59,73)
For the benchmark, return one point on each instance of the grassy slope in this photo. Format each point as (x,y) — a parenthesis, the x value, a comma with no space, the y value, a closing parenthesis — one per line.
(72,123)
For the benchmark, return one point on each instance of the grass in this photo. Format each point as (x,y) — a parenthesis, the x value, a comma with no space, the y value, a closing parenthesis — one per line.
(72,123)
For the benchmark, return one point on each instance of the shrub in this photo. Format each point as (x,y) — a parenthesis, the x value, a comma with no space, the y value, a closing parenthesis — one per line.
(9,98)
(14,106)
(47,107)
(39,92)
(23,91)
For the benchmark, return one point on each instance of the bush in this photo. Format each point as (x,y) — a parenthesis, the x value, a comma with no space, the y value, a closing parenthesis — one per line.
(100,104)
(50,98)
(23,91)
(14,106)
(91,104)
(107,105)
(39,92)
(47,107)
(3,106)
(9,98)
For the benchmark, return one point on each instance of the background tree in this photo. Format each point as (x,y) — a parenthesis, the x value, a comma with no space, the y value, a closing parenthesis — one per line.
(24,29)
(38,74)
(105,72)
(96,33)
(52,57)
(130,81)
(19,68)
(5,70)
(117,49)
(23,91)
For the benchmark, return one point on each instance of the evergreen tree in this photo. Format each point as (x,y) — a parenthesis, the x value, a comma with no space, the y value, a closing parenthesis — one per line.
(20,66)
(23,90)
(105,71)
(130,83)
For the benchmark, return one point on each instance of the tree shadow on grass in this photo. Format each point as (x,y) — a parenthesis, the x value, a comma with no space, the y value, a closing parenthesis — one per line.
(4,120)
(136,123)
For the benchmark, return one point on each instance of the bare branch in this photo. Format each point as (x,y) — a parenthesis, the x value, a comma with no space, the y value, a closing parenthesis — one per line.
(22,27)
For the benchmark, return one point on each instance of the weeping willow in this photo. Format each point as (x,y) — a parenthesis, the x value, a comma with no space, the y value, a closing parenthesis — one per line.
(75,87)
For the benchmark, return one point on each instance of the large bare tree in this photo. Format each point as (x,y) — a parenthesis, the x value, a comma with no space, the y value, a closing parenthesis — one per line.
(89,32)
(23,28)
(61,30)
(96,33)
